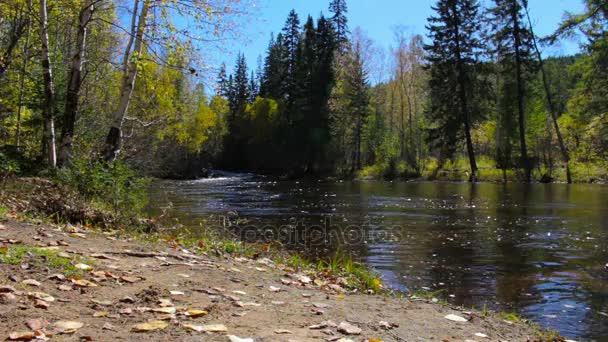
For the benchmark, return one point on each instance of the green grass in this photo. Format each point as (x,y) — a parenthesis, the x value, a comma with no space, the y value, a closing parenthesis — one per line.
(44,257)
(3,212)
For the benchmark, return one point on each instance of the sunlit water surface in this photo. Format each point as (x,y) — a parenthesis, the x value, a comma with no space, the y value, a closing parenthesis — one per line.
(538,250)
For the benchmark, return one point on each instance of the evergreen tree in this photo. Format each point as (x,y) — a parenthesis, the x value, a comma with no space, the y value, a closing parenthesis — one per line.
(275,71)
(453,60)
(513,44)
(223,85)
(339,22)
(252,87)
(291,43)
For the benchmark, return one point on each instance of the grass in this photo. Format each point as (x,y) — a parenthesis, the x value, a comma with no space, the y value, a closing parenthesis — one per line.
(43,257)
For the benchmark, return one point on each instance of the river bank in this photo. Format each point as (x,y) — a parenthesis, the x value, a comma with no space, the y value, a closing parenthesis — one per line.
(63,280)
(110,286)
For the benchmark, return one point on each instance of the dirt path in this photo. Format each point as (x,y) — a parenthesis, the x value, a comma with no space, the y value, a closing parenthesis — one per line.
(132,283)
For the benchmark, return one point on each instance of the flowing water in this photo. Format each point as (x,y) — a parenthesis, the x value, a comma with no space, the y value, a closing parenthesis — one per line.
(538,250)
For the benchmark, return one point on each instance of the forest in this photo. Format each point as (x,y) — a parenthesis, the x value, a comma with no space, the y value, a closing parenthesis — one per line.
(96,82)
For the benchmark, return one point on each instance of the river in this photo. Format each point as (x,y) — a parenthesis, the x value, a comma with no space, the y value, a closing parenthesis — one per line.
(538,250)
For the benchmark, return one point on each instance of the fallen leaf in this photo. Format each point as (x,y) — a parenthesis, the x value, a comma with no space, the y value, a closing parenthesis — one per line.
(83,267)
(215,328)
(282,332)
(101,314)
(197,328)
(56,277)
(126,311)
(108,326)
(130,280)
(83,283)
(274,289)
(21,336)
(233,338)
(150,326)
(482,335)
(101,302)
(349,329)
(41,295)
(242,293)
(67,327)
(36,323)
(196,313)
(177,293)
(170,310)
(40,304)
(103,256)
(165,303)
(65,287)
(7,288)
(31,282)
(456,318)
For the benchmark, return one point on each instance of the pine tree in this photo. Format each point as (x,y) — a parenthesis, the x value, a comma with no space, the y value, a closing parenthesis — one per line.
(275,71)
(514,46)
(452,57)
(223,85)
(252,88)
(339,22)
(291,43)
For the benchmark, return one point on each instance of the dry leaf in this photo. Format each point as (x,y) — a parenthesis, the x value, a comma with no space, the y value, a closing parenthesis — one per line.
(233,338)
(150,326)
(176,293)
(191,327)
(282,332)
(36,323)
(101,314)
(196,313)
(67,327)
(83,267)
(349,329)
(40,304)
(101,302)
(274,289)
(41,295)
(31,282)
(65,288)
(21,336)
(456,318)
(130,280)
(83,283)
(164,310)
(215,328)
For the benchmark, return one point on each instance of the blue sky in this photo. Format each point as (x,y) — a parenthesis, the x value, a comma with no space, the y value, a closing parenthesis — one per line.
(378,18)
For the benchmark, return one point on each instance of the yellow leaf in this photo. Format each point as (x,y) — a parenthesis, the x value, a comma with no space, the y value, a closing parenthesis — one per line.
(150,326)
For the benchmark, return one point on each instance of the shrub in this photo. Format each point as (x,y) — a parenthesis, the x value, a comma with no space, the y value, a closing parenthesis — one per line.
(115,186)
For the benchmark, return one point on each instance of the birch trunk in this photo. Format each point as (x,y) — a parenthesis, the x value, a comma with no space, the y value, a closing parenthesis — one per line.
(74,83)
(114,137)
(49,150)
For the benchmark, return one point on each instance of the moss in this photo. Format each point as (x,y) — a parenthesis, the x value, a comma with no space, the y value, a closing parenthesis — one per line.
(44,257)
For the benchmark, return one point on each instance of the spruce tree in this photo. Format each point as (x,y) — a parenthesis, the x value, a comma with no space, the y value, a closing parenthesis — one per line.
(513,44)
(339,21)
(453,60)
(291,43)
(223,86)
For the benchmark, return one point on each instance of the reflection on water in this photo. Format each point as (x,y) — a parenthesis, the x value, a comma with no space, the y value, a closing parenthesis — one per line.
(539,250)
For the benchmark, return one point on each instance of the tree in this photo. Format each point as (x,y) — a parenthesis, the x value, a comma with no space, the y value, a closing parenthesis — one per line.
(453,57)
(339,21)
(49,149)
(513,45)
(223,86)
(551,106)
(75,82)
(18,17)
(291,42)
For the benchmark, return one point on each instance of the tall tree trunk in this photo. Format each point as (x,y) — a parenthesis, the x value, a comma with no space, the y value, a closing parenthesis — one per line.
(549,98)
(114,137)
(49,92)
(74,83)
(464,104)
(26,53)
(520,94)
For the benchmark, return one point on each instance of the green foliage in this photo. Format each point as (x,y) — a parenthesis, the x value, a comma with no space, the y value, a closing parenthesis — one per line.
(43,257)
(115,186)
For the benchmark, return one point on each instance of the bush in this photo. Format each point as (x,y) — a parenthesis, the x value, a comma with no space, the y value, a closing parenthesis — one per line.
(8,167)
(115,186)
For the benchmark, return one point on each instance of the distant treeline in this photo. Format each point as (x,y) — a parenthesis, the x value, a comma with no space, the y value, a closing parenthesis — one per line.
(108,80)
